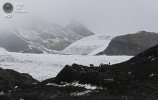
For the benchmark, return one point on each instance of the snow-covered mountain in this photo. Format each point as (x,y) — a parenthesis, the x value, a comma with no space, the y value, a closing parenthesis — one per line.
(38,36)
(90,45)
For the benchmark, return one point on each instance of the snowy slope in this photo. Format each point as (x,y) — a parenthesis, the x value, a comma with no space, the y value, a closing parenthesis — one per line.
(44,66)
(52,36)
(88,45)
(47,36)
(96,51)
(3,50)
(38,36)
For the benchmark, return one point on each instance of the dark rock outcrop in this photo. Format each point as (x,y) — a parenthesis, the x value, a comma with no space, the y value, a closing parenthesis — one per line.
(142,67)
(9,79)
(131,44)
(68,74)
(82,74)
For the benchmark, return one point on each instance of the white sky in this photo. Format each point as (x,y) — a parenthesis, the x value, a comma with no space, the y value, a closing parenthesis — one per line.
(111,17)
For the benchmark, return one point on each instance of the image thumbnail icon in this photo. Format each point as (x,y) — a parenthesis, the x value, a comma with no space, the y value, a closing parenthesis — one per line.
(8,8)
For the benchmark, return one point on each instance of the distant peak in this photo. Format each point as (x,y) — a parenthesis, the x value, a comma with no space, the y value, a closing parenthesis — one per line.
(145,32)
(76,23)
(79,28)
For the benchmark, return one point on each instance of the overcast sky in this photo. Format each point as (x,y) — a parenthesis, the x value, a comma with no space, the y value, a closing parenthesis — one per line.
(111,17)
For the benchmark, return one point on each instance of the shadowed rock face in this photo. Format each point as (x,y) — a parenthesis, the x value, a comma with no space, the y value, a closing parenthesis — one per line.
(11,42)
(143,66)
(131,44)
(82,74)
(10,79)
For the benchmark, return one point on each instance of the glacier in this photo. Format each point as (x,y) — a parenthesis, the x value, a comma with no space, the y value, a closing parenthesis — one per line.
(89,45)
(44,66)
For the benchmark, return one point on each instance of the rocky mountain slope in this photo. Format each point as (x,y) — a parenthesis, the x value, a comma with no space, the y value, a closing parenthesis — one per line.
(89,45)
(38,36)
(13,43)
(142,67)
(136,78)
(131,44)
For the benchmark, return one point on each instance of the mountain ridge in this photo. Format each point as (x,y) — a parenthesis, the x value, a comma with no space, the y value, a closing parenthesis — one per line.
(40,37)
(131,44)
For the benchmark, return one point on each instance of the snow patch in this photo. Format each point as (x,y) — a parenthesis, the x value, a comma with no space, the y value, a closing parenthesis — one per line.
(152,75)
(81,93)
(76,84)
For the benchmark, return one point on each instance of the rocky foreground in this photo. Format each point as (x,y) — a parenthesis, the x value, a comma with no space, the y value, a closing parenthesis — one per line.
(135,79)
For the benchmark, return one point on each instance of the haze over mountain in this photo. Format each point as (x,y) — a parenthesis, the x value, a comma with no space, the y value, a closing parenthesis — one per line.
(38,36)
(110,17)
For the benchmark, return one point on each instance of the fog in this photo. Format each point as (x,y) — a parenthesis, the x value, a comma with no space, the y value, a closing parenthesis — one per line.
(111,17)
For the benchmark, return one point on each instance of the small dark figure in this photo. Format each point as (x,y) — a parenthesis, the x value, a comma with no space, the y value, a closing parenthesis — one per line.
(91,65)
(109,63)
(101,65)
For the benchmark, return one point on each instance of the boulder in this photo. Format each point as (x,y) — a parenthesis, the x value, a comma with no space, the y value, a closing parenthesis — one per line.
(82,74)
(68,74)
